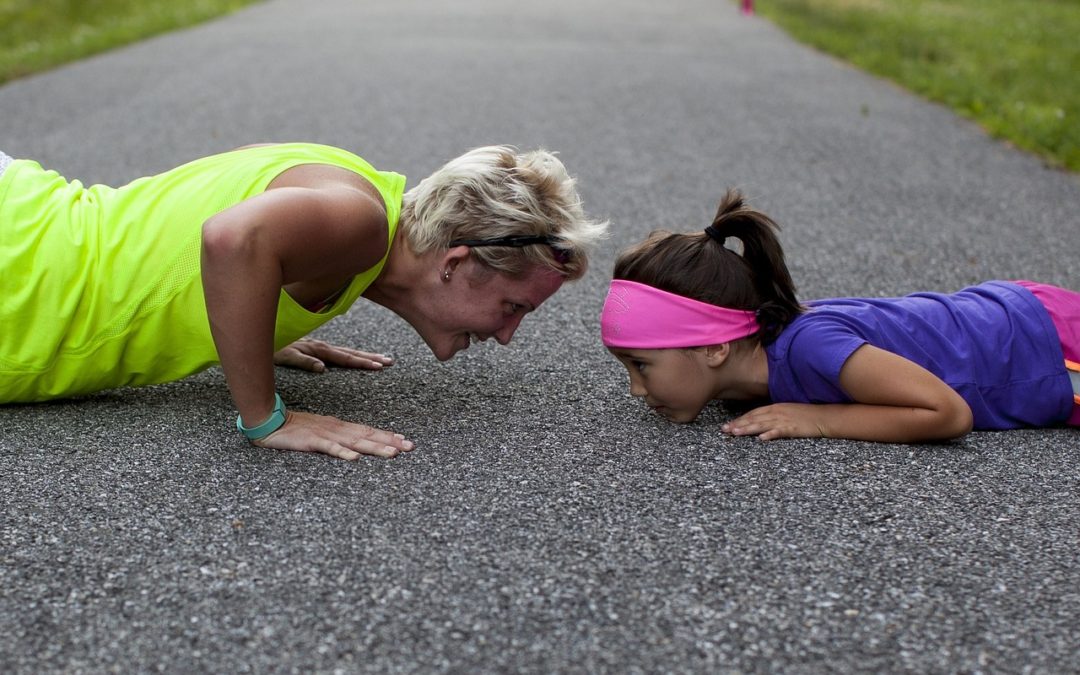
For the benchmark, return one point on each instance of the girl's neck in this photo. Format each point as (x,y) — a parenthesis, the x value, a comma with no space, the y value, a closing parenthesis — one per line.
(744,376)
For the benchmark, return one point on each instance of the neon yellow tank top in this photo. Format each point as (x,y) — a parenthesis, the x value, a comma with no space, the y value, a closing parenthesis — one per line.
(101,286)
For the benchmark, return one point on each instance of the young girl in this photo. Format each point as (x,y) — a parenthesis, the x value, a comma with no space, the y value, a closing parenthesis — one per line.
(694,321)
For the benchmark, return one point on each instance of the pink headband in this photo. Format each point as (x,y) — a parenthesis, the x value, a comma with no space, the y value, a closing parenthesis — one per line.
(637,316)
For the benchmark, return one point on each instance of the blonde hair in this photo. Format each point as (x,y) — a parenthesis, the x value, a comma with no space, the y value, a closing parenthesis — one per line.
(495,191)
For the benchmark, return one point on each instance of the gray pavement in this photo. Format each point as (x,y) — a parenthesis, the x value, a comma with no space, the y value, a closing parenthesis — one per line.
(546,522)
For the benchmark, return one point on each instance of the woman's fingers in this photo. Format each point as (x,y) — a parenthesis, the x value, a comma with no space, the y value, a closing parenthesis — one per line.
(307,432)
(306,362)
(372,441)
(315,355)
(365,360)
(292,357)
(341,452)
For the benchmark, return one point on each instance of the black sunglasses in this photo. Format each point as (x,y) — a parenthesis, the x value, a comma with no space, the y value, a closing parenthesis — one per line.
(562,256)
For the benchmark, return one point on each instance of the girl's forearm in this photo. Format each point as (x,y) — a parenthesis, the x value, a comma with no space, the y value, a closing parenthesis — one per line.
(857,421)
(892,424)
(899,401)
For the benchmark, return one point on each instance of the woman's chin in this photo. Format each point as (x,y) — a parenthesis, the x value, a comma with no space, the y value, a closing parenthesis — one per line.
(447,351)
(444,353)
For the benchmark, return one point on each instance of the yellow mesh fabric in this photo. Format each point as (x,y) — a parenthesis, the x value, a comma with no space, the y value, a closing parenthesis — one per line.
(105,282)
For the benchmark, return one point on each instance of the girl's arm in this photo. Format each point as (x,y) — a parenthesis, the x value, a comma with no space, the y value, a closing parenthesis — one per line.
(897,401)
(250,251)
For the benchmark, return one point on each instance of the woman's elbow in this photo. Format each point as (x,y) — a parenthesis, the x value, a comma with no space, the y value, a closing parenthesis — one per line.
(223,241)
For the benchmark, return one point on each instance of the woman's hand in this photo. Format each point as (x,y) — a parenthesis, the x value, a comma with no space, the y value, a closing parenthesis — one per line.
(316,355)
(308,432)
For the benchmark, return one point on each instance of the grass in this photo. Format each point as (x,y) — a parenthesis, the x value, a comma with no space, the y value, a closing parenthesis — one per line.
(38,34)
(1013,66)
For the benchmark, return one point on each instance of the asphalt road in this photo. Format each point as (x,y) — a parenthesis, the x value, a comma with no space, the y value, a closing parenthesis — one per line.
(546,522)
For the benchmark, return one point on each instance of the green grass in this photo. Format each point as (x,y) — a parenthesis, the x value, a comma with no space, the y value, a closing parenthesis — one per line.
(38,34)
(1013,66)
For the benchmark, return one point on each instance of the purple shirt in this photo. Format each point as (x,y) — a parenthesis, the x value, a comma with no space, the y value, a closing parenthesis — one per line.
(993,343)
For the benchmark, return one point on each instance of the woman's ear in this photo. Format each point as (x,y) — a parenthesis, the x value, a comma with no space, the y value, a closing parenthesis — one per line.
(451,259)
(716,355)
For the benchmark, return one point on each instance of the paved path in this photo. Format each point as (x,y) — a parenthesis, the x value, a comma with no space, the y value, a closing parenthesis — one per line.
(546,523)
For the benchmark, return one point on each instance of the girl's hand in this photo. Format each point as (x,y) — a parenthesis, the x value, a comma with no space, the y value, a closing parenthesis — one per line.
(779,420)
(316,355)
(895,401)
(308,432)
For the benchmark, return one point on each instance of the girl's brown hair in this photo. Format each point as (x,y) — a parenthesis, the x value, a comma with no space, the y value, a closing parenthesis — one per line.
(698,266)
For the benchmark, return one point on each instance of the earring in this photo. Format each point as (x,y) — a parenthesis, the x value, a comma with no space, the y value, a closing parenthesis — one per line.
(446,275)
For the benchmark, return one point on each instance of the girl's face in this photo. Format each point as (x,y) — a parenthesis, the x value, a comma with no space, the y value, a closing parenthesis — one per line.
(677,383)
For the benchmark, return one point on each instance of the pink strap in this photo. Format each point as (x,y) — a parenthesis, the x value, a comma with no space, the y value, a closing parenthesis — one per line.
(638,316)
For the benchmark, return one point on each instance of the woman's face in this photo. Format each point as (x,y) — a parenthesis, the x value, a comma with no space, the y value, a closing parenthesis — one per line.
(476,304)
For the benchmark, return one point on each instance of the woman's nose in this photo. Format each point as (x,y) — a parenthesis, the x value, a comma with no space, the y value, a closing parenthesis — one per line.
(504,334)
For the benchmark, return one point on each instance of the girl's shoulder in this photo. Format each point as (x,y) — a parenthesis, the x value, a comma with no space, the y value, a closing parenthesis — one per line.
(972,311)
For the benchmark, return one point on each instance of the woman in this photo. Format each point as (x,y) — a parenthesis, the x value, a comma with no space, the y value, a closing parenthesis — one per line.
(232,258)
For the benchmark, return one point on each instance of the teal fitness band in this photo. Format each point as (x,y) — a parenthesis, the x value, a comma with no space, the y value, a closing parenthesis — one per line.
(272,423)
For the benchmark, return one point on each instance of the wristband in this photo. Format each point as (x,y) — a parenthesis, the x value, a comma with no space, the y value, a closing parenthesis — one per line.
(272,423)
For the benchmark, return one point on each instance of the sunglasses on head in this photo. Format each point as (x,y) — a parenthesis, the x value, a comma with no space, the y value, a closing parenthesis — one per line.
(562,256)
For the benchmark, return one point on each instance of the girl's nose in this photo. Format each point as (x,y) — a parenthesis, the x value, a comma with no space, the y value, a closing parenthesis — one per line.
(636,387)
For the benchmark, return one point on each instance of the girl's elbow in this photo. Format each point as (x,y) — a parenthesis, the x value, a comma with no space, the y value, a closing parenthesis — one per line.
(958,419)
(946,419)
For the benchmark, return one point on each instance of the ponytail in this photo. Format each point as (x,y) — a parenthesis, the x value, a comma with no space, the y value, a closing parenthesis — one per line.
(699,266)
(763,255)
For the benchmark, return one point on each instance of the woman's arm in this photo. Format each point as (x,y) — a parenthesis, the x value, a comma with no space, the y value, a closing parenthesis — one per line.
(250,251)
(896,401)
